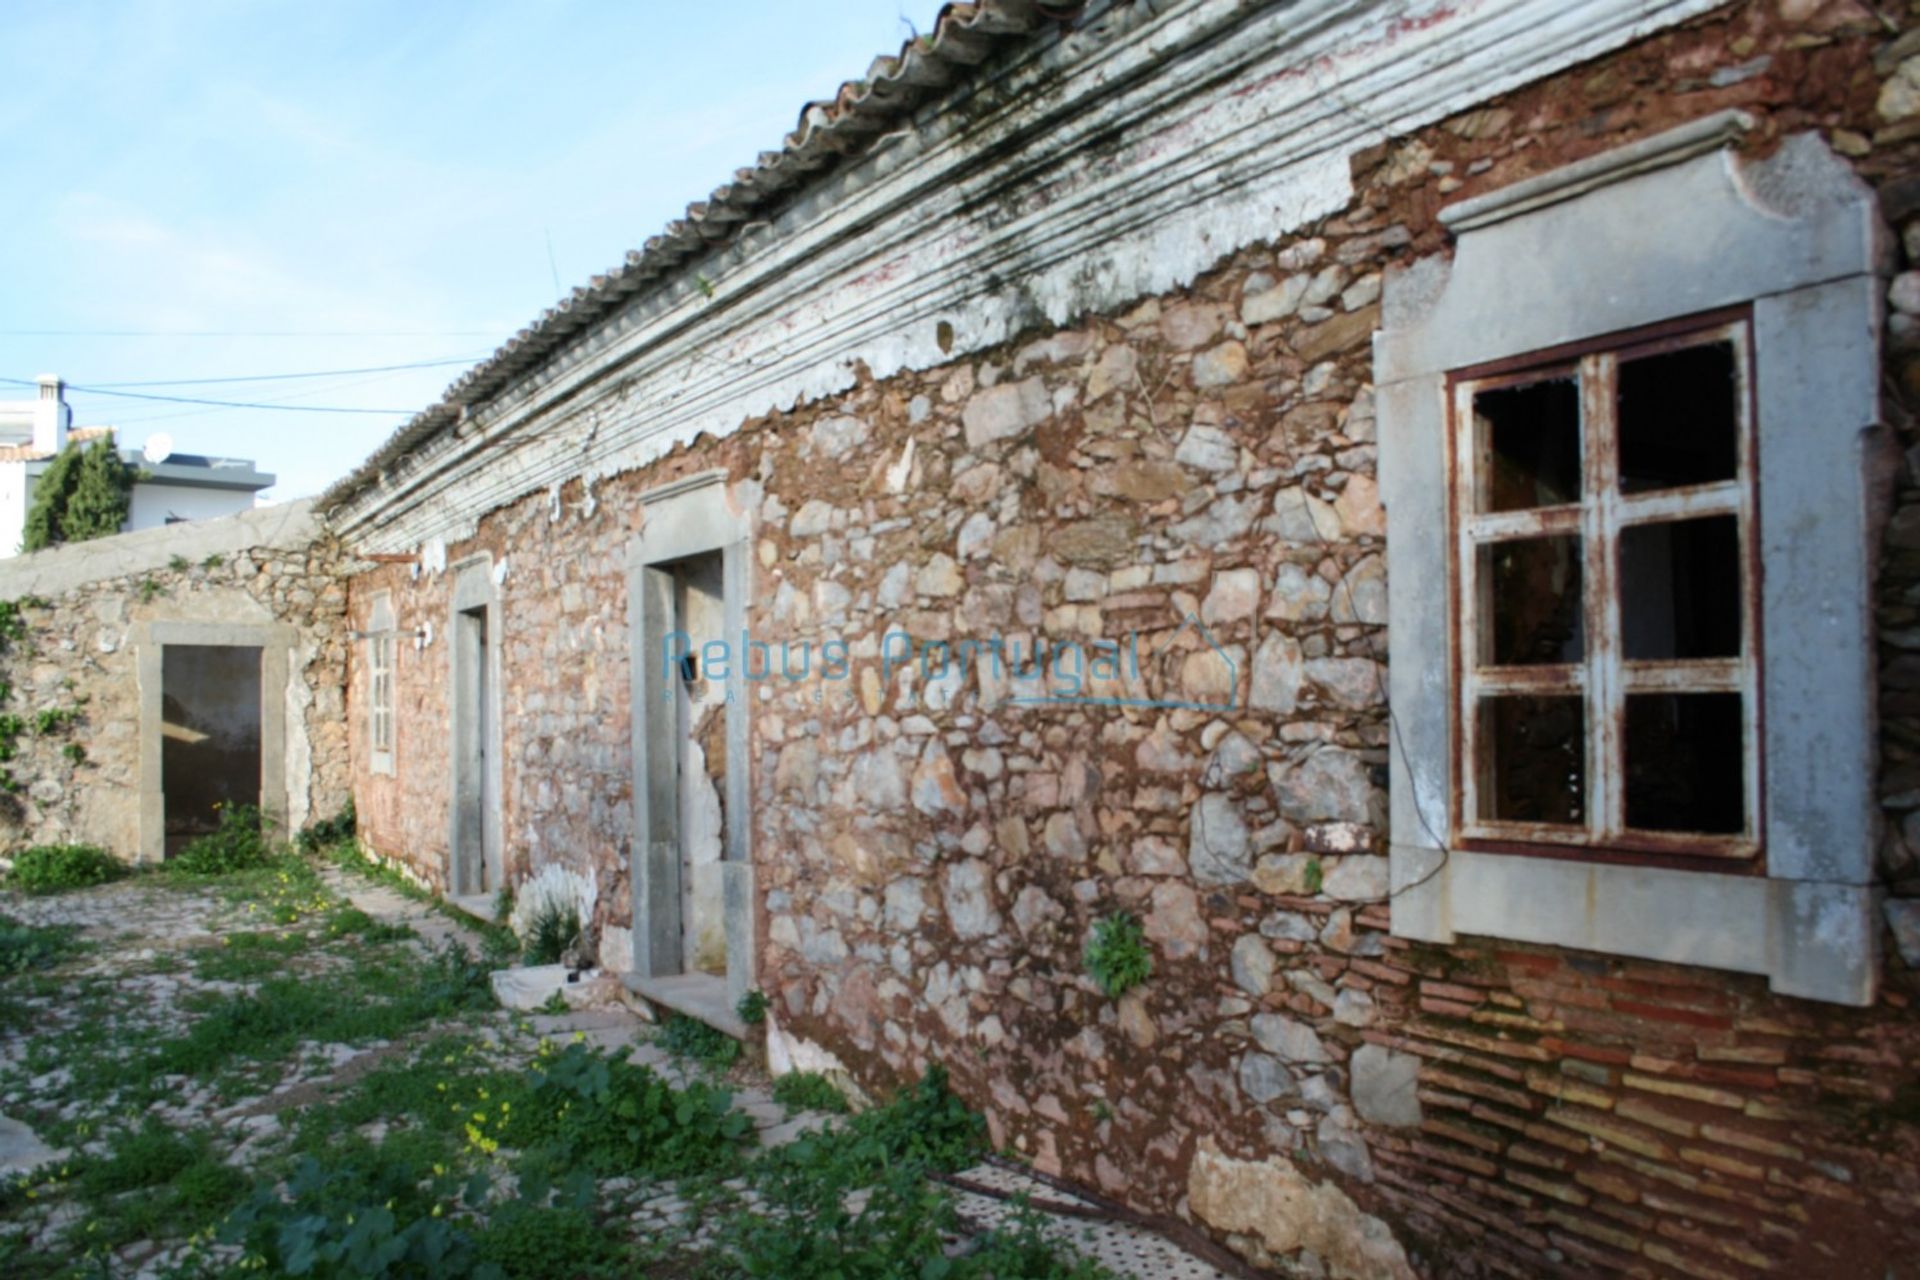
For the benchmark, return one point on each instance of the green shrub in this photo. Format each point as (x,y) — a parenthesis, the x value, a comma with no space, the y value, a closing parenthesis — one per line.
(808,1091)
(26,947)
(922,1128)
(610,1115)
(239,844)
(56,868)
(695,1041)
(328,832)
(554,929)
(899,1229)
(752,1008)
(535,1238)
(1117,955)
(378,1218)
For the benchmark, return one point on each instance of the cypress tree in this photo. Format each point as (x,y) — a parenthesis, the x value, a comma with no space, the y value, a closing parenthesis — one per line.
(84,493)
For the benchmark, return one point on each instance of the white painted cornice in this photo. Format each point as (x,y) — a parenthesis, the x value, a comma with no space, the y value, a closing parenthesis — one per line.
(1106,164)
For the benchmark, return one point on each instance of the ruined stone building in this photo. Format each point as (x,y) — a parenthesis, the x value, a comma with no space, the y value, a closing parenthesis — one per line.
(1410,501)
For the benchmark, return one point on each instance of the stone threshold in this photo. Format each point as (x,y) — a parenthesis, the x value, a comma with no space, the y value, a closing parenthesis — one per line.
(702,996)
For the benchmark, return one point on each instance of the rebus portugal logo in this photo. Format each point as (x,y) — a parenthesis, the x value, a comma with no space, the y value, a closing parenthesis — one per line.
(1185,668)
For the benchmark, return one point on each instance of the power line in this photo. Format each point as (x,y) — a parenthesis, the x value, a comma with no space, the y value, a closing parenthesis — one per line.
(289,377)
(225,404)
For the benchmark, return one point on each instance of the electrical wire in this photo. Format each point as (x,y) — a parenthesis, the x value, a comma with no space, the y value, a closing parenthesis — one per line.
(225,404)
(292,377)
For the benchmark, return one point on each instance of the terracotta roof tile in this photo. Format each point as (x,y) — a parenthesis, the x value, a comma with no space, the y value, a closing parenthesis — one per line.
(963,36)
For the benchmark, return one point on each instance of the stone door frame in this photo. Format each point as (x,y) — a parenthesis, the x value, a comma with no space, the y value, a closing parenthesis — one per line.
(474,590)
(685,518)
(275,641)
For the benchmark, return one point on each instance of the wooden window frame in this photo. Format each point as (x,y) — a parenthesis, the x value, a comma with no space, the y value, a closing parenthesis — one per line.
(1603,678)
(380,701)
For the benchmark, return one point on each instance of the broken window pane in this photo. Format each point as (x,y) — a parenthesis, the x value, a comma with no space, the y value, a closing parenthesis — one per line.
(1534,760)
(1537,614)
(1685,769)
(1531,434)
(1679,418)
(1680,589)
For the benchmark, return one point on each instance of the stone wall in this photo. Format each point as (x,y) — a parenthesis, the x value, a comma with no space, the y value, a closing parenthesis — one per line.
(85,607)
(1192,479)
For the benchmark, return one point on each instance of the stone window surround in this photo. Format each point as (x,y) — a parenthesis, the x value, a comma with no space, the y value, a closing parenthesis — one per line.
(150,639)
(1673,226)
(380,627)
(474,587)
(687,517)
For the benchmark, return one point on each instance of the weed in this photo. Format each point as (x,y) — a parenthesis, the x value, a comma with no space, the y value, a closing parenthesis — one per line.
(555,1003)
(352,921)
(695,1041)
(239,843)
(179,563)
(26,947)
(377,1218)
(808,1091)
(1117,956)
(611,1115)
(56,868)
(149,589)
(75,753)
(248,957)
(503,904)
(752,1008)
(1314,876)
(329,831)
(54,719)
(213,561)
(553,931)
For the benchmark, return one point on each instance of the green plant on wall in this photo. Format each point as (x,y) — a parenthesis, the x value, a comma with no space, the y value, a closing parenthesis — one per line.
(84,493)
(1117,956)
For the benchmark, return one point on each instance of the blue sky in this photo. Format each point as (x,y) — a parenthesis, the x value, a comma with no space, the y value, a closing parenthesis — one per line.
(370,183)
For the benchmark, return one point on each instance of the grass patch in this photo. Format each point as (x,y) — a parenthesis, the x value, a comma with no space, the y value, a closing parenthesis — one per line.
(249,956)
(808,1091)
(25,948)
(59,868)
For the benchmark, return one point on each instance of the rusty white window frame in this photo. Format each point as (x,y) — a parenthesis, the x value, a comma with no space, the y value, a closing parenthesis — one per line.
(1604,678)
(380,654)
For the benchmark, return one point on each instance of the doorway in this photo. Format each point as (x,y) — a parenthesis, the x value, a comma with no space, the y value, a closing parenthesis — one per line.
(692,878)
(210,736)
(474,870)
(700,761)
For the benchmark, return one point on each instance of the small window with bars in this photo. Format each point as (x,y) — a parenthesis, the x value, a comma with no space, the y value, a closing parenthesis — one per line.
(1605,598)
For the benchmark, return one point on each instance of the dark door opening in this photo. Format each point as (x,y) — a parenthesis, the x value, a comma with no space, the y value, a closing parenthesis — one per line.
(210,735)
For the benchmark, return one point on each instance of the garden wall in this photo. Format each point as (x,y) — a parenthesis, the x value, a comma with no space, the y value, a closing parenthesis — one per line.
(90,611)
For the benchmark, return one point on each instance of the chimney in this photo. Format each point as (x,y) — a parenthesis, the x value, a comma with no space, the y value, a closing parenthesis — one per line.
(51,416)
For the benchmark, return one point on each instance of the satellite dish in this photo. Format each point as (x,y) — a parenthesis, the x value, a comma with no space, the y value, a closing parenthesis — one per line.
(159,447)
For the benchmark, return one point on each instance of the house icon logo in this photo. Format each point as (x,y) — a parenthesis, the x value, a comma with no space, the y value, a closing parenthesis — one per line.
(1210,662)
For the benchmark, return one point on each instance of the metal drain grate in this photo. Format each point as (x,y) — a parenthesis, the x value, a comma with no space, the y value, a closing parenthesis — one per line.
(1126,1249)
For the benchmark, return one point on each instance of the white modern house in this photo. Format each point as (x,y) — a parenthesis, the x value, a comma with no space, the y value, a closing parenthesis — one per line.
(172,488)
